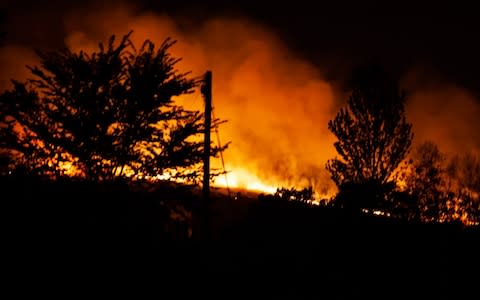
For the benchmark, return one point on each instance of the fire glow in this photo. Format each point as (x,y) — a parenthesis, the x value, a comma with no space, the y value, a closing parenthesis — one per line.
(245,180)
(274,139)
(276,104)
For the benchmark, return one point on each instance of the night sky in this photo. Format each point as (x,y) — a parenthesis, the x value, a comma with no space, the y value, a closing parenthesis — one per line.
(335,35)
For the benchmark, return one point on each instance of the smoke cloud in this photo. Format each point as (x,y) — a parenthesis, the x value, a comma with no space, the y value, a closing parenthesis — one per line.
(13,61)
(442,112)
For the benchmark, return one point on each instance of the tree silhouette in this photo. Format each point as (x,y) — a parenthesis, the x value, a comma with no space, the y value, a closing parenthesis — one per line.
(373,135)
(18,143)
(426,183)
(435,189)
(106,114)
(466,169)
(464,174)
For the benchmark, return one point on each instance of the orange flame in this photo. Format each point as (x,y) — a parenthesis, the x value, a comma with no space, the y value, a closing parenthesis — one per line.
(241,178)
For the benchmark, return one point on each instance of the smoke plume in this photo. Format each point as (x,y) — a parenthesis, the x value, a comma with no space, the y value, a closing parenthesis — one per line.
(442,112)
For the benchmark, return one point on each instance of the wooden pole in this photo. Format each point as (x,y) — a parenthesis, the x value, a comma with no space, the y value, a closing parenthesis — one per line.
(207,93)
(205,227)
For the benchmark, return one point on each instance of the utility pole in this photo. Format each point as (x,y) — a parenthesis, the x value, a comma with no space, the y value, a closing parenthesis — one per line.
(207,93)
(206,90)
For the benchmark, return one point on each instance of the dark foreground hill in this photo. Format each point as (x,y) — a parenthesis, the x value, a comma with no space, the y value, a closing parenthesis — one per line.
(75,238)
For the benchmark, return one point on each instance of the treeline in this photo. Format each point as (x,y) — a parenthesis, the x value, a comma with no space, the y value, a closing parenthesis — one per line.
(374,171)
(377,171)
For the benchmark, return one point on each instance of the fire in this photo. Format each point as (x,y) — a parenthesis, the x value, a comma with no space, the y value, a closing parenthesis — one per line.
(276,104)
(241,178)
(69,169)
(276,141)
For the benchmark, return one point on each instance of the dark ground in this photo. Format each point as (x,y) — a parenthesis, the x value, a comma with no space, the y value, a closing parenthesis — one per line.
(77,239)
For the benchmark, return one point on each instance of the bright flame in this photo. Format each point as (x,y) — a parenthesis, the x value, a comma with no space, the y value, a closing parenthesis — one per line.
(69,169)
(241,178)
